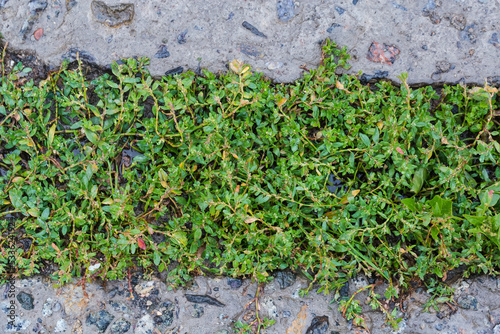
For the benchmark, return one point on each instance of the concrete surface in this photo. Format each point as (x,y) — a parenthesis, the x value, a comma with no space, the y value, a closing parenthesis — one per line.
(433,40)
(154,309)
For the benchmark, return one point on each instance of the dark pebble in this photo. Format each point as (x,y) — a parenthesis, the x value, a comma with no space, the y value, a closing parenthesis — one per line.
(319,325)
(424,47)
(439,327)
(285,278)
(118,307)
(162,52)
(26,300)
(468,302)
(167,314)
(230,16)
(234,283)
(177,70)
(287,314)
(119,327)
(216,289)
(252,29)
(332,27)
(84,55)
(2,3)
(203,299)
(494,80)
(285,10)
(355,2)
(100,319)
(181,38)
(113,16)
(344,290)
(340,10)
(249,50)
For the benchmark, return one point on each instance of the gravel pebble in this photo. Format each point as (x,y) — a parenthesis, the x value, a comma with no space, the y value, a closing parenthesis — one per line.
(26,300)
(119,327)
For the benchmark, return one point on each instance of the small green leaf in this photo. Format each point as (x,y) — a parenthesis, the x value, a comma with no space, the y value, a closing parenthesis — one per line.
(441,207)
(52,131)
(365,139)
(180,238)
(434,232)
(91,136)
(418,179)
(15,198)
(410,204)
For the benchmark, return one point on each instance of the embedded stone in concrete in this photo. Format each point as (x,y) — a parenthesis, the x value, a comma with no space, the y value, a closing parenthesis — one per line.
(113,16)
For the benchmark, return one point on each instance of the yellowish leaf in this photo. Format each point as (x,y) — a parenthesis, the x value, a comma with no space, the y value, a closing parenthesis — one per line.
(250,220)
(164,184)
(235,66)
(34,212)
(55,247)
(355,192)
(339,85)
(108,201)
(52,131)
(282,101)
(17,179)
(162,175)
(150,230)
(380,125)
(444,141)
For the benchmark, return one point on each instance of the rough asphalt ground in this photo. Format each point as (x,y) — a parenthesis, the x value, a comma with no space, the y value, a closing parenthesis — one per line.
(434,41)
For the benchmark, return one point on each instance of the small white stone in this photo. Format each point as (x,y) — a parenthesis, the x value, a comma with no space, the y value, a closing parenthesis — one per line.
(47,308)
(60,326)
(95,266)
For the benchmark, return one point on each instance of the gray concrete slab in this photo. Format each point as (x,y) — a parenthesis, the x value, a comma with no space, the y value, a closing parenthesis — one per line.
(432,40)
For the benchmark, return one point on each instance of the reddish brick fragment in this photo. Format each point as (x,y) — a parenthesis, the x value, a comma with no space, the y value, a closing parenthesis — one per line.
(38,34)
(382,53)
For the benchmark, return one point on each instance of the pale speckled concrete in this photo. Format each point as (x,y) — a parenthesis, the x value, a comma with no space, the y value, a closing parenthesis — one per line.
(439,41)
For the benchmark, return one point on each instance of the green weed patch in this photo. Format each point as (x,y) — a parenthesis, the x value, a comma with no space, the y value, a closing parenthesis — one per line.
(235,175)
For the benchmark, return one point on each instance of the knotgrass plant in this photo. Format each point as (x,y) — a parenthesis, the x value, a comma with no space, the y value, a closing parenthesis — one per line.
(235,175)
